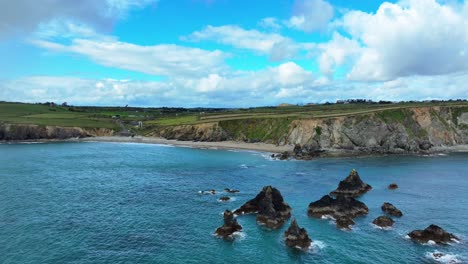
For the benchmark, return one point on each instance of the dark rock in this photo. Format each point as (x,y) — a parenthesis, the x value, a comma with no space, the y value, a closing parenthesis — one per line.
(383,221)
(297,237)
(224,198)
(344,222)
(230,226)
(434,233)
(391,210)
(230,190)
(351,186)
(392,186)
(341,206)
(284,156)
(270,207)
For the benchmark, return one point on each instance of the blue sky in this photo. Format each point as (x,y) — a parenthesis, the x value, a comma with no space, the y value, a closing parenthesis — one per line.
(232,53)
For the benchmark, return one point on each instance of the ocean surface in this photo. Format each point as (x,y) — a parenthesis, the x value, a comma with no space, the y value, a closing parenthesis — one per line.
(139,203)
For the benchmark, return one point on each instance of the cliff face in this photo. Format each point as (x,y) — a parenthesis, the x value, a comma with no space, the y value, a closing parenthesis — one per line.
(391,131)
(34,132)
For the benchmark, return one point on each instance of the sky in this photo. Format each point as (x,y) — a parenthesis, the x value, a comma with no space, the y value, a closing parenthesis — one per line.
(231,53)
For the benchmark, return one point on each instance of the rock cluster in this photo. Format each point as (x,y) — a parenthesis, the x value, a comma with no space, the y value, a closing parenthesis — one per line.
(297,237)
(391,210)
(352,186)
(270,207)
(383,221)
(341,206)
(434,233)
(230,226)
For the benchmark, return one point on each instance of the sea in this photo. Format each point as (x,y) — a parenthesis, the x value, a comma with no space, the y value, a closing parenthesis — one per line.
(95,202)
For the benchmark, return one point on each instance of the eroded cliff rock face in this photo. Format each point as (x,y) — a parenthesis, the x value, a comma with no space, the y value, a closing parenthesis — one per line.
(35,132)
(412,130)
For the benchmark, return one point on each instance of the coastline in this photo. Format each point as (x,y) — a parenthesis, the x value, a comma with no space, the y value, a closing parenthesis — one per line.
(235,145)
(226,145)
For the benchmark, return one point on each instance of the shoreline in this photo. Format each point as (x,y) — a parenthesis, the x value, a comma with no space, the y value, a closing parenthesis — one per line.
(222,145)
(235,145)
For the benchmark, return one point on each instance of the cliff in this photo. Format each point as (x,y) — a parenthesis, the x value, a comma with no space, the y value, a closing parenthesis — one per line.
(406,130)
(35,132)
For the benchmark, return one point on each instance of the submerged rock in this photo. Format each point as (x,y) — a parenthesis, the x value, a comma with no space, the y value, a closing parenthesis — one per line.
(270,207)
(383,221)
(230,190)
(230,226)
(344,222)
(434,233)
(224,199)
(391,210)
(352,186)
(297,237)
(393,186)
(341,206)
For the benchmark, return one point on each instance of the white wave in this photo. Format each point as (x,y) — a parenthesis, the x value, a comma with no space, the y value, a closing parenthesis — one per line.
(328,217)
(32,142)
(429,243)
(382,228)
(243,166)
(317,244)
(239,235)
(443,258)
(301,173)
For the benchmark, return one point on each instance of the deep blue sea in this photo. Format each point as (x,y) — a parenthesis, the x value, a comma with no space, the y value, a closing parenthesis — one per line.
(139,203)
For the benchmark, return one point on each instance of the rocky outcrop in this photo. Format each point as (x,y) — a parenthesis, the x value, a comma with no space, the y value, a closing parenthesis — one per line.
(344,222)
(224,198)
(270,207)
(383,221)
(230,190)
(36,132)
(209,132)
(433,233)
(352,186)
(391,210)
(393,186)
(230,226)
(297,237)
(341,206)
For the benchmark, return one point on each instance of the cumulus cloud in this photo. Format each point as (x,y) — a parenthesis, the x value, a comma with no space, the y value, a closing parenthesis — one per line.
(23,16)
(275,45)
(311,15)
(408,38)
(270,23)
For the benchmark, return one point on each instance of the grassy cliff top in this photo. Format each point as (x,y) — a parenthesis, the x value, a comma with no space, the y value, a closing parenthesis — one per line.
(116,117)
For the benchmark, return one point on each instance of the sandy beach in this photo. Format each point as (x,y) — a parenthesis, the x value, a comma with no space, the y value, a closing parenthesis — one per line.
(263,147)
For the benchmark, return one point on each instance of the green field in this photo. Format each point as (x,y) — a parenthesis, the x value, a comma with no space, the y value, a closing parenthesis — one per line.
(118,118)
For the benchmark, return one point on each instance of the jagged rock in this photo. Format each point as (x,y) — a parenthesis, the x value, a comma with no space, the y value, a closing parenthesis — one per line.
(434,233)
(230,226)
(351,186)
(391,210)
(383,221)
(341,206)
(392,186)
(297,237)
(224,198)
(230,190)
(344,222)
(270,207)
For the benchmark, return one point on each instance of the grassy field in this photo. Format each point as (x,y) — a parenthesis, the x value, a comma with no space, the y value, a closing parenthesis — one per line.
(118,117)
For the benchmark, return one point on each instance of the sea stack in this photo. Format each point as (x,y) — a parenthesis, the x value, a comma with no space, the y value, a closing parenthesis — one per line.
(297,237)
(383,221)
(352,186)
(339,207)
(270,207)
(391,210)
(433,233)
(230,226)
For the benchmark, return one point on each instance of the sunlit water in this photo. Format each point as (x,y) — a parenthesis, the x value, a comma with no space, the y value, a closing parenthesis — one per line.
(139,203)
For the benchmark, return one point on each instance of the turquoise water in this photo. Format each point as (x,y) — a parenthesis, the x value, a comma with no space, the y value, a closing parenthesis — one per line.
(138,203)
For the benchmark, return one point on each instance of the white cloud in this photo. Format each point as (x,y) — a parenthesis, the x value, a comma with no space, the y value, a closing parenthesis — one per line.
(270,23)
(272,44)
(336,52)
(311,15)
(409,38)
(166,60)
(23,16)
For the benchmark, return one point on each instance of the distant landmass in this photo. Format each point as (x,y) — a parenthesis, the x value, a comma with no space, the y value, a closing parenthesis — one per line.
(347,127)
